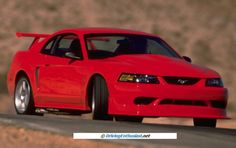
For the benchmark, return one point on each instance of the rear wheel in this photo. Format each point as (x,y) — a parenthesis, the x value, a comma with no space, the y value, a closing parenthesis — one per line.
(99,99)
(129,119)
(204,122)
(23,98)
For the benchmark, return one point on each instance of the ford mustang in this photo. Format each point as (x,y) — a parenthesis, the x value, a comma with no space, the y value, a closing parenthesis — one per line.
(113,73)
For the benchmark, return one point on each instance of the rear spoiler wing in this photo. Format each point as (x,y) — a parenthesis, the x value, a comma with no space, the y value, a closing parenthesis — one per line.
(36,36)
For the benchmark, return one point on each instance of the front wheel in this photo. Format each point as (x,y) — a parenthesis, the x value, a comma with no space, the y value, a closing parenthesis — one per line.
(204,122)
(99,99)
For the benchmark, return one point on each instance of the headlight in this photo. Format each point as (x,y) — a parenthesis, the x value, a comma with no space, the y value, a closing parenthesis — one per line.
(215,82)
(138,78)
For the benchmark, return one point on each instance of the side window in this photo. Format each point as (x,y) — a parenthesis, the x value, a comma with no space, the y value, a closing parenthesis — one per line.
(68,43)
(47,49)
(49,46)
(63,46)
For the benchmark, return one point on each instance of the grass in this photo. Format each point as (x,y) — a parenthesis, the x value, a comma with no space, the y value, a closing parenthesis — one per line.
(3,73)
(231,53)
(203,53)
(176,39)
(3,83)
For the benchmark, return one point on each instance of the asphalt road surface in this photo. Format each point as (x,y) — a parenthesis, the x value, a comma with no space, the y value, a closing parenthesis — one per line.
(188,136)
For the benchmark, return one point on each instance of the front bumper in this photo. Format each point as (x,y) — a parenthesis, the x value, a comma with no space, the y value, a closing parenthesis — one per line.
(195,101)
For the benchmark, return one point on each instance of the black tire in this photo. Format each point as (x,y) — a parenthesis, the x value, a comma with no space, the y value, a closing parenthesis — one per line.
(204,122)
(99,99)
(23,95)
(129,119)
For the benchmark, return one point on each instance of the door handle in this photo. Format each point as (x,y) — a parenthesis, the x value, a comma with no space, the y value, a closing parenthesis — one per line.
(46,65)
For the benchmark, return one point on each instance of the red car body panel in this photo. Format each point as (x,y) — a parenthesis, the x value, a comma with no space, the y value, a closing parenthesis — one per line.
(63,83)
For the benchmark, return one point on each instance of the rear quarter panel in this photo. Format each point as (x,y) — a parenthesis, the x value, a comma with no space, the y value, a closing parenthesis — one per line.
(22,61)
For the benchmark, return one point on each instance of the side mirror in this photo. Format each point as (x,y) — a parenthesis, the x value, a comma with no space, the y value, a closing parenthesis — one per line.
(188,59)
(71,55)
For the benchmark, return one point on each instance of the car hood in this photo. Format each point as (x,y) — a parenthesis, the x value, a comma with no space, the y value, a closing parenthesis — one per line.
(158,65)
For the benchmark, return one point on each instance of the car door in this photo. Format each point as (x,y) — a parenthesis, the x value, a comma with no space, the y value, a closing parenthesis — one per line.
(59,77)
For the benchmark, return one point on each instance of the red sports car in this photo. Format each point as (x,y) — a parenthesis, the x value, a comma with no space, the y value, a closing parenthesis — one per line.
(110,73)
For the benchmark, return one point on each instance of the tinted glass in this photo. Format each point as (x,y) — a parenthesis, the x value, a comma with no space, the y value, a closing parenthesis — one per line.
(48,47)
(68,43)
(100,46)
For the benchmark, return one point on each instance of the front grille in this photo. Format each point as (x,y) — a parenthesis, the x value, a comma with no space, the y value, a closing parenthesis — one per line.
(181,80)
(182,102)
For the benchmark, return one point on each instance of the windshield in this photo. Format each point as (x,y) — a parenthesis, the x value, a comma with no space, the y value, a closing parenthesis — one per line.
(102,46)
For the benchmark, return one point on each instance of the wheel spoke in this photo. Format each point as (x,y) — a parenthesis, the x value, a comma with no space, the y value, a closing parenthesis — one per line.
(20,89)
(21,97)
(23,85)
(17,102)
(23,105)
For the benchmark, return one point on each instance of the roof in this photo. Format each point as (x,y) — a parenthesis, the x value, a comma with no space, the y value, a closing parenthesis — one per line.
(104,30)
